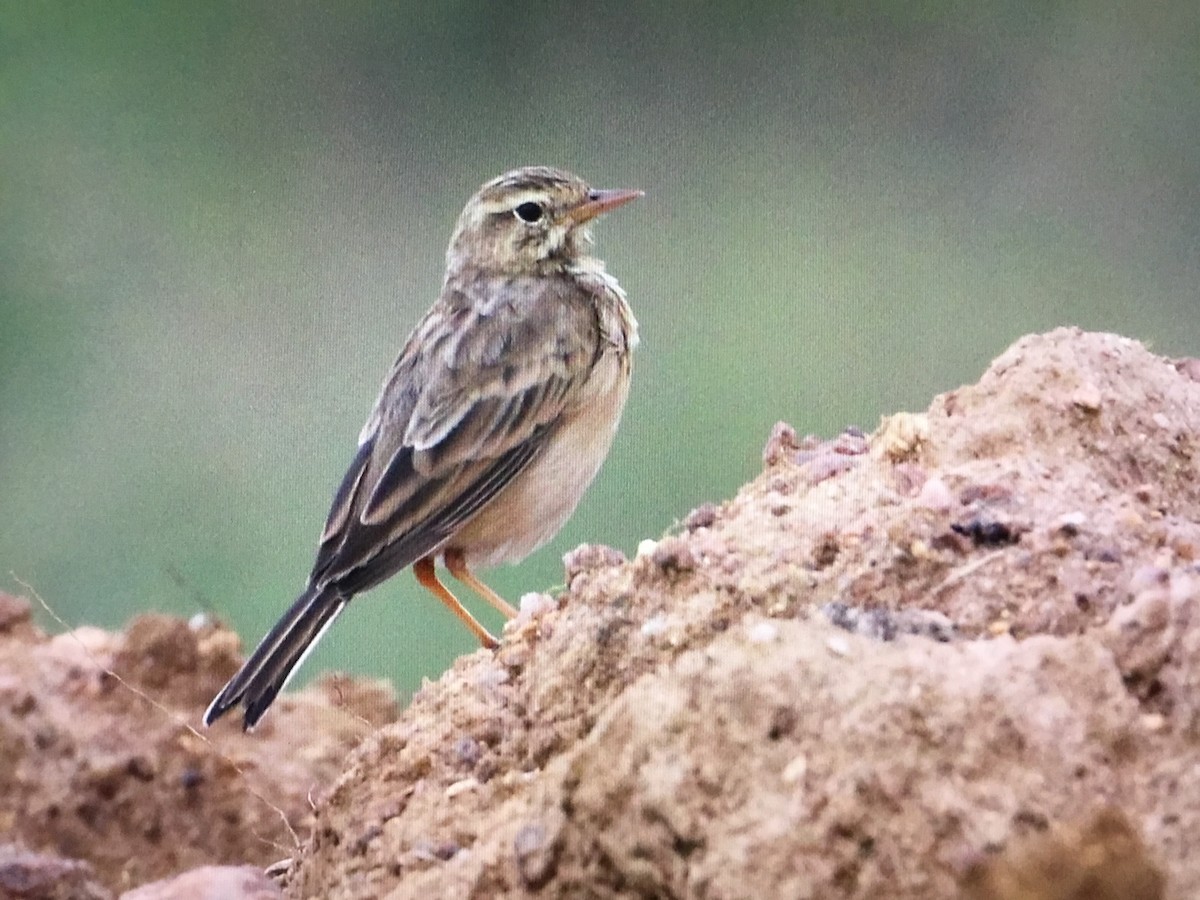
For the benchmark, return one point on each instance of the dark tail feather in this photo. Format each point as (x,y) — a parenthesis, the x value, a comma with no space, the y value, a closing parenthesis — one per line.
(277,656)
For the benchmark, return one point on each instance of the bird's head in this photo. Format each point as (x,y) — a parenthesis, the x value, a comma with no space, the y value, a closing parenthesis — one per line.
(529,221)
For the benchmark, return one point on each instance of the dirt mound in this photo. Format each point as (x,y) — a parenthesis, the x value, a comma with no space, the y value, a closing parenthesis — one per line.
(113,775)
(957,658)
(1017,567)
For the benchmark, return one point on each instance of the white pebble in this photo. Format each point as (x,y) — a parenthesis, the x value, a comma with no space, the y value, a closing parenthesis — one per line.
(647,547)
(461,787)
(654,626)
(936,494)
(763,633)
(1075,519)
(795,770)
(838,645)
(534,604)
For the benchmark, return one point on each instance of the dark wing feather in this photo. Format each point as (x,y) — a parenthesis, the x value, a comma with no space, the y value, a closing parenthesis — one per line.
(386,554)
(342,508)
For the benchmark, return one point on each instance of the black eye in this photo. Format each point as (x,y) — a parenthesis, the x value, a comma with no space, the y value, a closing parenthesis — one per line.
(529,211)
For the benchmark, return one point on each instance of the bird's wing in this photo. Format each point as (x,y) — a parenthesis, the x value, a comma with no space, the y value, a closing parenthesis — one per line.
(473,397)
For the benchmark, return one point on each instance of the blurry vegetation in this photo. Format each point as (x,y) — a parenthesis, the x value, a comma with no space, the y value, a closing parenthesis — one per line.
(219,221)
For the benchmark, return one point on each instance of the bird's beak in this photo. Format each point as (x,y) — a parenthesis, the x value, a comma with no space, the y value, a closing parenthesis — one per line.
(601,202)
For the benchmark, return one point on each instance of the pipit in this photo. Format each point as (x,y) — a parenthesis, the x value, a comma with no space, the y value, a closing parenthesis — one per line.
(491,424)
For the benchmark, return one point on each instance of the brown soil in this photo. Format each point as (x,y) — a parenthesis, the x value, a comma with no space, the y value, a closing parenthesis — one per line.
(957,658)
(113,790)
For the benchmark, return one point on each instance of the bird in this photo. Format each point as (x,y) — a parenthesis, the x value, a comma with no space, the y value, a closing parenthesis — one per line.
(490,425)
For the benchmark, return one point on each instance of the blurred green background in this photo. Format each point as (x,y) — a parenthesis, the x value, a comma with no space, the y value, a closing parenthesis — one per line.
(218,222)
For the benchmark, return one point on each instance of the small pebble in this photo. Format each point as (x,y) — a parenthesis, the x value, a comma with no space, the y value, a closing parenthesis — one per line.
(536,849)
(838,645)
(763,633)
(674,555)
(1087,397)
(646,547)
(461,787)
(780,443)
(936,494)
(795,770)
(1154,722)
(920,549)
(654,626)
(534,604)
(1075,519)
(467,751)
(703,516)
(901,435)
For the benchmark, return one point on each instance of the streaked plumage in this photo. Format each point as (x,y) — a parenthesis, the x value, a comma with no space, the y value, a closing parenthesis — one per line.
(490,425)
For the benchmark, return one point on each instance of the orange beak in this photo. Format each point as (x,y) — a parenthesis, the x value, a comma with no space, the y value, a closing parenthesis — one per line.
(601,202)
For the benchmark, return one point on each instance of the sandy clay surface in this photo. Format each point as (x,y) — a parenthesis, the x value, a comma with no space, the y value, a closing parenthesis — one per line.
(956,658)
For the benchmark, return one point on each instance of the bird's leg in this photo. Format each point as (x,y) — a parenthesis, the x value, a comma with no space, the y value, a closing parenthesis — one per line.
(423,569)
(458,568)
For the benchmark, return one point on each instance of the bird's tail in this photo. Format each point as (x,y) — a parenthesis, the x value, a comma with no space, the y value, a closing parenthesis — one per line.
(277,656)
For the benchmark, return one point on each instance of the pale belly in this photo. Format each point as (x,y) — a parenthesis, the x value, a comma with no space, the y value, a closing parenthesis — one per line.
(531,510)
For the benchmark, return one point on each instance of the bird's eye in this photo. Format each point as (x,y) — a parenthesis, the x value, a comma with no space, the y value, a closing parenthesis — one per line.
(529,211)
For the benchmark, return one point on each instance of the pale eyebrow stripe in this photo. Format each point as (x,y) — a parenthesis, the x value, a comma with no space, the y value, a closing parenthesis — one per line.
(514,200)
